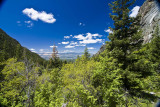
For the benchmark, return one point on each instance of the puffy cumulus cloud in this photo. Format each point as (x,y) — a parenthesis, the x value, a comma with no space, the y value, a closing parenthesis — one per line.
(43,16)
(88,38)
(79,37)
(65,43)
(83,40)
(95,35)
(91,48)
(69,46)
(108,31)
(73,43)
(134,11)
(90,41)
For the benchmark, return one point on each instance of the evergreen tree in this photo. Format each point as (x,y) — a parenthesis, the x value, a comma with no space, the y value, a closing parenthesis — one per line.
(18,51)
(86,53)
(5,51)
(125,38)
(155,46)
(121,76)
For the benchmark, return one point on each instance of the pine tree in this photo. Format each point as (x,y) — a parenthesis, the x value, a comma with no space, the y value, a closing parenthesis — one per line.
(120,76)
(18,51)
(55,53)
(5,50)
(86,53)
(155,46)
(126,37)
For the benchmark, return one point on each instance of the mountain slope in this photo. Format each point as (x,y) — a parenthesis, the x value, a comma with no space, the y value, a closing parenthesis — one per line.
(9,44)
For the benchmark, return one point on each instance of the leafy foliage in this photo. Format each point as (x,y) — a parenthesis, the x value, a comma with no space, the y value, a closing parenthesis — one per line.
(126,73)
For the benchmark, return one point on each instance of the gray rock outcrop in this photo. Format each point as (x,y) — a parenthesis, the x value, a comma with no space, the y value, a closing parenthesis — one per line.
(150,18)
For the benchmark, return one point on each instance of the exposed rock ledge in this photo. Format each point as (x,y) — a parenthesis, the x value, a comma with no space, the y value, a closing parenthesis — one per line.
(150,18)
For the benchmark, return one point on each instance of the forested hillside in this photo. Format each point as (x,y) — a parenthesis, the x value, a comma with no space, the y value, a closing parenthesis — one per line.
(125,74)
(10,48)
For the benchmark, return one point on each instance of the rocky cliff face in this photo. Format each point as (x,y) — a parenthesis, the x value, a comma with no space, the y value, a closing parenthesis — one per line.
(150,18)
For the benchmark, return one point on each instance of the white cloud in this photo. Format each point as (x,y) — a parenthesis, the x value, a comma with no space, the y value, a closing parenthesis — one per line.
(53,46)
(73,43)
(95,35)
(29,23)
(41,50)
(81,24)
(35,15)
(91,48)
(32,49)
(69,46)
(80,45)
(89,41)
(89,38)
(66,37)
(83,40)
(65,43)
(79,37)
(134,11)
(108,31)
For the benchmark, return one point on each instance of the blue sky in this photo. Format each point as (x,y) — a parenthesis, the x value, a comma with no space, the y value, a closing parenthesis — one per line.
(69,24)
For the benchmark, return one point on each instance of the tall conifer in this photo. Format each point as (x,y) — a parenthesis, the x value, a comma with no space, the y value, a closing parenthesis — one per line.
(125,39)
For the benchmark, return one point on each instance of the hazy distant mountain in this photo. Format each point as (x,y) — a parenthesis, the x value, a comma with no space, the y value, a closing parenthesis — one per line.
(64,55)
(69,55)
